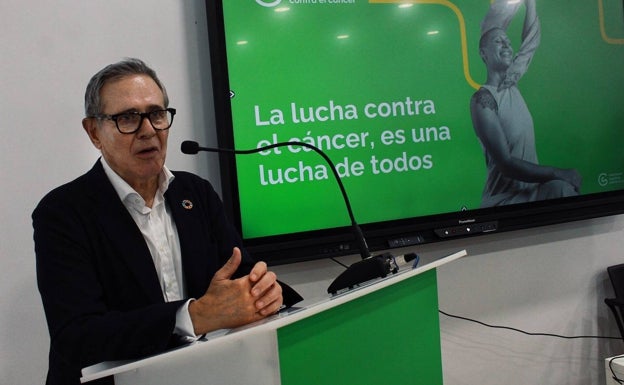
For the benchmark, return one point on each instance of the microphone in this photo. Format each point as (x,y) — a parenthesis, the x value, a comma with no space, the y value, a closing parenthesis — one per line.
(365,270)
(189,147)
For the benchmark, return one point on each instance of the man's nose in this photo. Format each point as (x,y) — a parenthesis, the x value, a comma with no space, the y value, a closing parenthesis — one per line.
(145,127)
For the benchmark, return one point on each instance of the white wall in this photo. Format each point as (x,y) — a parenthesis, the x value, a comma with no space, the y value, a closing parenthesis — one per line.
(50,49)
(547,280)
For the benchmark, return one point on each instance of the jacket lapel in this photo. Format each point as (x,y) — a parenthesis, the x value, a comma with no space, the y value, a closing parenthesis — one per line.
(198,261)
(122,232)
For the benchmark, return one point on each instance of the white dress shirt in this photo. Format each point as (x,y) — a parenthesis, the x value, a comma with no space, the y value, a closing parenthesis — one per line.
(161,235)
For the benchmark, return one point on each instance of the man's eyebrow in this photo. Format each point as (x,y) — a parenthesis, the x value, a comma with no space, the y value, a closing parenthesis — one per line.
(150,108)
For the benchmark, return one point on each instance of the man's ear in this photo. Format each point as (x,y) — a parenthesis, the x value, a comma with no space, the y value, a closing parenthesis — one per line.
(90,126)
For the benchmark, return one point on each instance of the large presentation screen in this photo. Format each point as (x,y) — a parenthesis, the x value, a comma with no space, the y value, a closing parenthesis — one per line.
(426,107)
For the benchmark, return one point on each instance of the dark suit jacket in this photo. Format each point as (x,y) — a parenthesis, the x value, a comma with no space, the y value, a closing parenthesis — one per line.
(98,284)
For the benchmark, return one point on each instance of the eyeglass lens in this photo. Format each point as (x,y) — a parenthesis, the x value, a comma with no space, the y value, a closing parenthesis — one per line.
(130,121)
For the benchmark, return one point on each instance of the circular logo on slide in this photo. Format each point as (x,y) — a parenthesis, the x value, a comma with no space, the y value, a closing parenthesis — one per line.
(268,3)
(603,180)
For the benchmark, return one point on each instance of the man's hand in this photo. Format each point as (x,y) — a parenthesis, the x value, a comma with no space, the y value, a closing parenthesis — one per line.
(230,302)
(265,289)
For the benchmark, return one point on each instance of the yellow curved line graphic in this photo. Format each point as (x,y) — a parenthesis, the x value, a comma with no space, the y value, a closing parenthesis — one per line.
(462,29)
(603,30)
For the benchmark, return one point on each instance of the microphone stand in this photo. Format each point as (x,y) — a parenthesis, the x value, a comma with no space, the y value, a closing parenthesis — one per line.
(370,267)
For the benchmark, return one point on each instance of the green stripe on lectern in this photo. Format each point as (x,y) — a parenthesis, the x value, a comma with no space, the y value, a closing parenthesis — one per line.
(390,336)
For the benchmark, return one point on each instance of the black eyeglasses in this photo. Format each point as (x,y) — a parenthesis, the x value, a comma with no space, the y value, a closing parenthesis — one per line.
(129,122)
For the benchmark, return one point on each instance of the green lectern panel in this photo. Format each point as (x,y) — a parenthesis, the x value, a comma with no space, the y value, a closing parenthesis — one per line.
(390,336)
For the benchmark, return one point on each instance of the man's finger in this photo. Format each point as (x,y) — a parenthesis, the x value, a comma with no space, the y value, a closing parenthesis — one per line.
(258,271)
(230,266)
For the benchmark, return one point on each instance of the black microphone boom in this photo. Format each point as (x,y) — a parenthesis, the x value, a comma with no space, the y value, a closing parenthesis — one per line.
(191,147)
(367,269)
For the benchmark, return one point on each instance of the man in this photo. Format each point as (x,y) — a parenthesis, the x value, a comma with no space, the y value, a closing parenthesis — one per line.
(502,120)
(133,259)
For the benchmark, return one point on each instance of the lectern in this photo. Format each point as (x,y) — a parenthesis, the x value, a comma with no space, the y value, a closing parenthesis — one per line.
(385,332)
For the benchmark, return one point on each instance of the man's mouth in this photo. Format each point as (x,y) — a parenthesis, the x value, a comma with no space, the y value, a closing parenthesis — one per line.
(147,151)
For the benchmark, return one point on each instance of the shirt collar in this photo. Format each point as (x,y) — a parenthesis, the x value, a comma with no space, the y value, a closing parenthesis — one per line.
(124,190)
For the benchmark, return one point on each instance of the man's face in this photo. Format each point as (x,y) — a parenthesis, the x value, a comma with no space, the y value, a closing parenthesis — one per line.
(496,51)
(139,157)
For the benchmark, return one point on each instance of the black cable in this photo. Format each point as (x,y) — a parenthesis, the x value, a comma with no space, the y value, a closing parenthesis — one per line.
(615,378)
(525,332)
(338,262)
